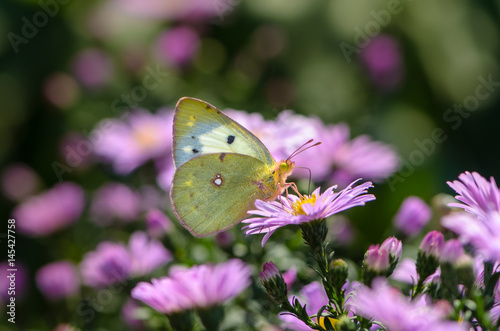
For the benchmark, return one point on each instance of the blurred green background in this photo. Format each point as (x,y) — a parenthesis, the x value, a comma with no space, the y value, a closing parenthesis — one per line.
(396,70)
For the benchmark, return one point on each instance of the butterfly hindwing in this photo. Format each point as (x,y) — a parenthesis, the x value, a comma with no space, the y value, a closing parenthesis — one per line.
(213,192)
(200,128)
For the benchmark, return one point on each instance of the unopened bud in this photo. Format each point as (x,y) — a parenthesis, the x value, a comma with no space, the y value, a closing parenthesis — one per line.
(337,276)
(273,282)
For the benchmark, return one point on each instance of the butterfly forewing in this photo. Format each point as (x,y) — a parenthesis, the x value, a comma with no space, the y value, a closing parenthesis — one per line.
(200,128)
(213,192)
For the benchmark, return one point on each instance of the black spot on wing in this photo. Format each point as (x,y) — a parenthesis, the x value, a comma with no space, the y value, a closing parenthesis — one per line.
(230,139)
(195,151)
(193,137)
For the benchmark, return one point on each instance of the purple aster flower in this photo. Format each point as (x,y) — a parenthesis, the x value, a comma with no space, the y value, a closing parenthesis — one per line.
(19,181)
(390,307)
(295,210)
(365,158)
(114,201)
(163,295)
(382,59)
(478,196)
(50,211)
(158,223)
(412,216)
(109,264)
(197,287)
(146,254)
(341,160)
(483,234)
(133,140)
(20,284)
(93,68)
(313,296)
(178,46)
(58,280)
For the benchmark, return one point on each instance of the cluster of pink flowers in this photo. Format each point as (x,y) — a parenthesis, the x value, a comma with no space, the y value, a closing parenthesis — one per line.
(200,286)
(114,262)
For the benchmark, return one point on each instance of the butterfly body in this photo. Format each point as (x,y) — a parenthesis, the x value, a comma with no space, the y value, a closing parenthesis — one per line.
(221,169)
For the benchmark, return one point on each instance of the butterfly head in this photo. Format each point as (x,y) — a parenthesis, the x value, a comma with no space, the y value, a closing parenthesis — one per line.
(285,168)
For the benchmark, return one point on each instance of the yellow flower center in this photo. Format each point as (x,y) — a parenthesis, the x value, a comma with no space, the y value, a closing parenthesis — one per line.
(146,136)
(297,205)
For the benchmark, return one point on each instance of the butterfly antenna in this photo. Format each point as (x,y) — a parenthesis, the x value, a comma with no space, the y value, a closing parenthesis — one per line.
(310,178)
(303,148)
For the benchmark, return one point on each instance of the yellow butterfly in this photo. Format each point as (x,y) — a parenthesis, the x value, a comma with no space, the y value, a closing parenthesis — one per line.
(221,169)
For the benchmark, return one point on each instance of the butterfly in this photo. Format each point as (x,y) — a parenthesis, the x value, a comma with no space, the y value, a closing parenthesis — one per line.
(221,169)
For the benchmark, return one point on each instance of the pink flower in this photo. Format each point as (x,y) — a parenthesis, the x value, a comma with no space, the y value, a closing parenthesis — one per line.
(382,59)
(412,216)
(109,264)
(114,201)
(113,262)
(133,140)
(19,181)
(158,223)
(197,287)
(478,196)
(452,251)
(93,67)
(482,234)
(480,226)
(146,254)
(178,46)
(390,307)
(58,280)
(341,160)
(295,210)
(50,211)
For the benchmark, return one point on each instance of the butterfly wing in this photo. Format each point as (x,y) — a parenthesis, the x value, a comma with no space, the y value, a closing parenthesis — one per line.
(200,128)
(213,192)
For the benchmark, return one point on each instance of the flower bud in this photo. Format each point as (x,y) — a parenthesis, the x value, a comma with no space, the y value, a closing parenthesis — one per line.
(452,251)
(432,244)
(345,324)
(337,276)
(412,216)
(394,247)
(428,254)
(273,282)
(376,263)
